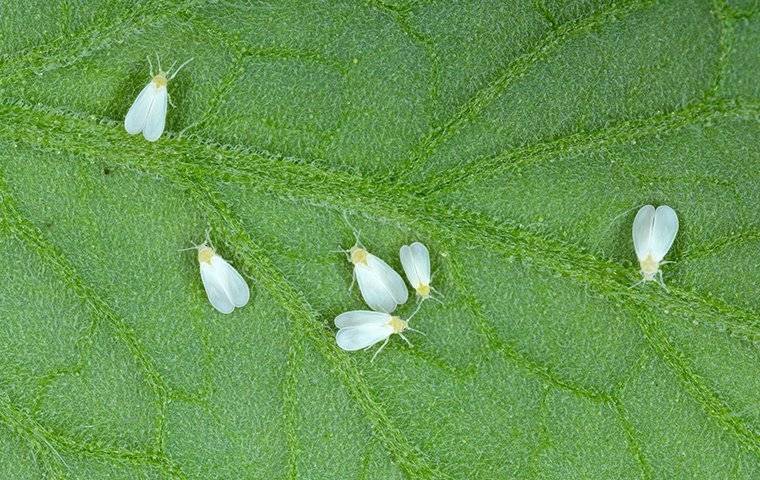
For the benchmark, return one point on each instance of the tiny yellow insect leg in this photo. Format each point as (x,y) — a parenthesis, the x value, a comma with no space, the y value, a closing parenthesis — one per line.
(638,283)
(661,281)
(380,349)
(406,339)
(416,331)
(419,305)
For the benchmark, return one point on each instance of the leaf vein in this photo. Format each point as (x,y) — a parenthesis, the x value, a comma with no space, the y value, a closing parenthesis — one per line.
(256,262)
(484,97)
(28,233)
(512,160)
(287,178)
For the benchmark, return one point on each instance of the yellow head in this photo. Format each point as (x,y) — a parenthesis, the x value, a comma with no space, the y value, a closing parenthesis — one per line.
(397,324)
(358,255)
(205,254)
(160,80)
(423,290)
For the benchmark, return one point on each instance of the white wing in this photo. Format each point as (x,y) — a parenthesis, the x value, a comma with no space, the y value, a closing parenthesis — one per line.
(356,338)
(375,293)
(415,259)
(156,119)
(213,282)
(234,283)
(663,231)
(642,231)
(392,280)
(381,287)
(422,259)
(408,263)
(137,116)
(361,317)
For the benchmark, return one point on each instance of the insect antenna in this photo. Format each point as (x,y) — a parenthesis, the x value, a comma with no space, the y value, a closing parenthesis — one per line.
(357,233)
(179,68)
(438,295)
(661,281)
(208,238)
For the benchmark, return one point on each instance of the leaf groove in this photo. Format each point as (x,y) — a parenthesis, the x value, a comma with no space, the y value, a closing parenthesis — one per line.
(709,400)
(512,354)
(647,473)
(512,160)
(61,53)
(288,179)
(305,321)
(484,97)
(37,434)
(748,235)
(26,232)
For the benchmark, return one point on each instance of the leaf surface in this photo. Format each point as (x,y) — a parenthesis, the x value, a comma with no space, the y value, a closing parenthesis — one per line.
(515,139)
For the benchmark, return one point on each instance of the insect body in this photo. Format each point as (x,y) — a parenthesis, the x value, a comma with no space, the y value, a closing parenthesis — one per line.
(653,233)
(361,329)
(382,288)
(415,259)
(225,287)
(148,112)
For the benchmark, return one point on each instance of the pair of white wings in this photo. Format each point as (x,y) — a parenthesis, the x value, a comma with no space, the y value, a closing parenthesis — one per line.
(361,329)
(654,231)
(225,287)
(415,259)
(148,113)
(382,288)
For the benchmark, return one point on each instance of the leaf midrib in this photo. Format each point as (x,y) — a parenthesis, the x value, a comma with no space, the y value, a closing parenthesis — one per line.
(403,215)
(104,142)
(299,179)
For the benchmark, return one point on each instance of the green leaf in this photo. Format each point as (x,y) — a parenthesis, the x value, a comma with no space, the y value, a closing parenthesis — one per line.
(516,139)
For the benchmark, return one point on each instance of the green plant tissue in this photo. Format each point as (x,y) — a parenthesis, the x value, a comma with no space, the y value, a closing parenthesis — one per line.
(516,139)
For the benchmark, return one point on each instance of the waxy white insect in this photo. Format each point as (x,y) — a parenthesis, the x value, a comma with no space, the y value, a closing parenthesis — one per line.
(415,259)
(653,233)
(361,329)
(148,113)
(382,288)
(225,287)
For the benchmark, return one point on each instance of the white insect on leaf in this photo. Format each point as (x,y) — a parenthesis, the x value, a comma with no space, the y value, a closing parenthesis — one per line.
(148,112)
(415,259)
(382,288)
(653,233)
(360,329)
(225,287)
